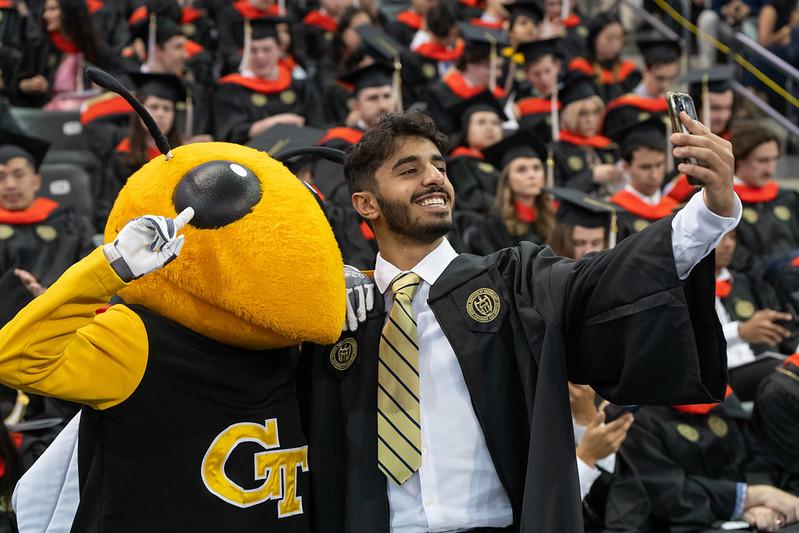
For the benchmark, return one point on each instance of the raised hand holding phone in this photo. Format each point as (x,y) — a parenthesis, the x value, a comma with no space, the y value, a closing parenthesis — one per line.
(719,163)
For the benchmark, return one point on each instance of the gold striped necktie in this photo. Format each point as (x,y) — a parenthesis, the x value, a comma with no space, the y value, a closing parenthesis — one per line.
(399,433)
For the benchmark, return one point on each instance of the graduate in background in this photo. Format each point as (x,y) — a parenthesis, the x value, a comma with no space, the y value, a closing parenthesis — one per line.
(648,98)
(613,75)
(265,93)
(435,49)
(522,209)
(525,16)
(478,69)
(714,100)
(39,239)
(584,159)
(475,180)
(753,320)
(774,423)
(643,152)
(160,94)
(583,224)
(405,25)
(542,67)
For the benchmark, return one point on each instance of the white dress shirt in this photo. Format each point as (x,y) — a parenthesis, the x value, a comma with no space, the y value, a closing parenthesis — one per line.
(651,200)
(457,486)
(738,350)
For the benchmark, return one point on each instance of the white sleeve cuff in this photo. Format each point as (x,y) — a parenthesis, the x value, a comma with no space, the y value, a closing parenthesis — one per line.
(587,476)
(696,230)
(731,334)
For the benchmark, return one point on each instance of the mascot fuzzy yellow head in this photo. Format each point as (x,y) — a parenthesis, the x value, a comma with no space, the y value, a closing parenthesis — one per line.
(260,268)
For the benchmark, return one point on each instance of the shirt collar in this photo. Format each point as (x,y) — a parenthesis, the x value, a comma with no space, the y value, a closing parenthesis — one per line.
(651,200)
(724,275)
(429,269)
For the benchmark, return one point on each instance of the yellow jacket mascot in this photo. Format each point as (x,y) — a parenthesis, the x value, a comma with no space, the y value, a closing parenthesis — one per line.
(224,264)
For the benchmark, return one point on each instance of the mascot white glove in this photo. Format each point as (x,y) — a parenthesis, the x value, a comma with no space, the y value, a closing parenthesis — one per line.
(146,243)
(360,297)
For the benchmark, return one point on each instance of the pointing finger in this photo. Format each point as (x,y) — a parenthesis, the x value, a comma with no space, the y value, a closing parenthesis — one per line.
(183,218)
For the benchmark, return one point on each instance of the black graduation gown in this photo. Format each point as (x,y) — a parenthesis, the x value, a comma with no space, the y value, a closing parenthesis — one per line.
(689,464)
(446,93)
(574,164)
(612,79)
(474,181)
(236,106)
(630,109)
(535,113)
(354,237)
(39,57)
(197,25)
(774,424)
(769,227)
(404,27)
(46,248)
(490,235)
(620,320)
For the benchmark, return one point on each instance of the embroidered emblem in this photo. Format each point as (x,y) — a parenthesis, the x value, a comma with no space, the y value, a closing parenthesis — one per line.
(744,308)
(485,168)
(640,224)
(258,99)
(718,426)
(288,97)
(483,305)
(189,29)
(5,232)
(687,432)
(46,233)
(782,213)
(343,354)
(750,215)
(643,115)
(429,70)
(575,163)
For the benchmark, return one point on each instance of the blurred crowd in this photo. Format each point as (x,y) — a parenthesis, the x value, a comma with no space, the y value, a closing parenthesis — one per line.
(559,131)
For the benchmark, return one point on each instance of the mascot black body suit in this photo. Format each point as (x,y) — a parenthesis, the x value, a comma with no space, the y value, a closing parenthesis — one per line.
(191,420)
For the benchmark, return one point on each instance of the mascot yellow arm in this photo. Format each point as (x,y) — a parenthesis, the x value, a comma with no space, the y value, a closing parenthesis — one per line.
(57,346)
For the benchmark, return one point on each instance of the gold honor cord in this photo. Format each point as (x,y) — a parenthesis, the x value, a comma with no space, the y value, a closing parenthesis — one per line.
(738,58)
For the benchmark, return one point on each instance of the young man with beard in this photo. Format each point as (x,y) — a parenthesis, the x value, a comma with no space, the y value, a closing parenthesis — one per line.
(448,408)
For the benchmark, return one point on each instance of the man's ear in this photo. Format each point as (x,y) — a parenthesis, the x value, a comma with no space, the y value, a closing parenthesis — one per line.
(365,203)
(37,182)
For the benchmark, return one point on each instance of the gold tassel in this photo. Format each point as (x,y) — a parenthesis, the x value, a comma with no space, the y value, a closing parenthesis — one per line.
(245,52)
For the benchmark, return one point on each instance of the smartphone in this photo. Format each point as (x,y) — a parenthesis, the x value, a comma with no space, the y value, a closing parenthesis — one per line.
(683,102)
(613,411)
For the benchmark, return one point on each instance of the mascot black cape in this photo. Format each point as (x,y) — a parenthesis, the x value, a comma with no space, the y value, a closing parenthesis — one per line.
(191,420)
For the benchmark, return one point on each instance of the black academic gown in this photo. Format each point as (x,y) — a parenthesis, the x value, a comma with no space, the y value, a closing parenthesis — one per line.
(535,113)
(491,235)
(774,425)
(45,248)
(236,106)
(769,227)
(474,181)
(690,464)
(574,164)
(620,320)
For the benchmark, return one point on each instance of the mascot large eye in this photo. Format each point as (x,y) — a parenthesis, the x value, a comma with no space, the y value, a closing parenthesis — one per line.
(220,192)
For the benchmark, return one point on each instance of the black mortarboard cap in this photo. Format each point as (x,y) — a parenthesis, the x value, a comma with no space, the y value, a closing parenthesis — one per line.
(576,86)
(579,209)
(657,48)
(377,44)
(718,79)
(14,144)
(282,137)
(375,75)
(166,28)
(482,38)
(654,123)
(167,86)
(485,101)
(527,8)
(266,27)
(522,143)
(535,50)
(650,132)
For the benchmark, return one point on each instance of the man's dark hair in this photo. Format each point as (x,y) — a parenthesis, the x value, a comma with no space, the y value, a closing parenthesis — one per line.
(649,140)
(747,136)
(378,144)
(440,20)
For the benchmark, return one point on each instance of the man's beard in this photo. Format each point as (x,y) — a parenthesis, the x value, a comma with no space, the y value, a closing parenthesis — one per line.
(398,218)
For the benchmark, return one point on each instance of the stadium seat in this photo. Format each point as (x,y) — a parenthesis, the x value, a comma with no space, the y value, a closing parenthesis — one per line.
(62,129)
(68,185)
